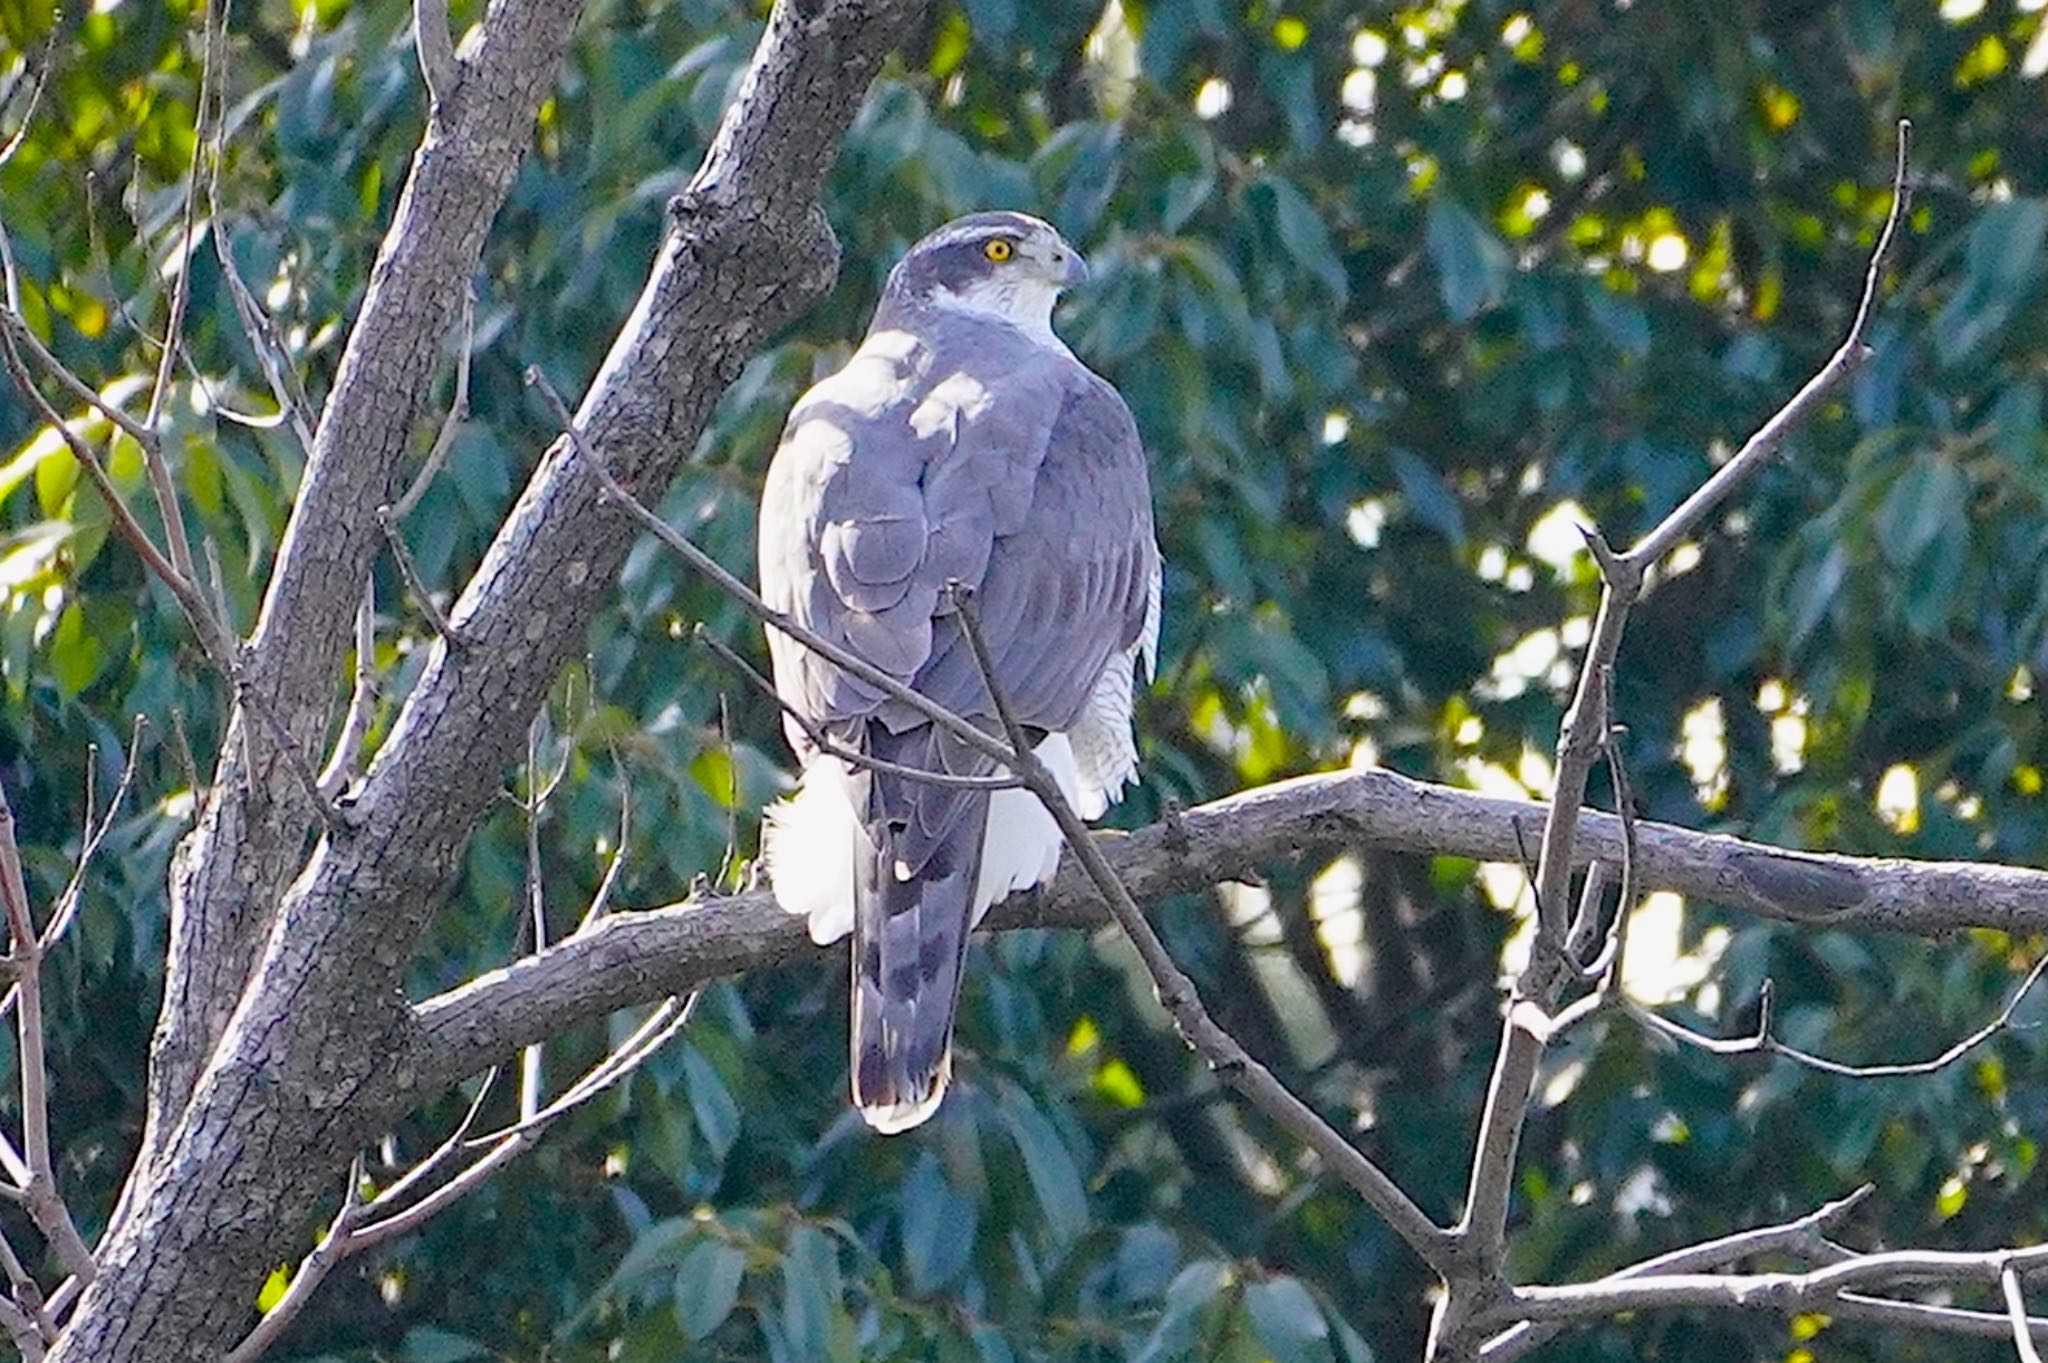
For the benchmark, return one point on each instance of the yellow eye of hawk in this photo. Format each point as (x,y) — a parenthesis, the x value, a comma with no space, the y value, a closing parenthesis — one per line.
(999,249)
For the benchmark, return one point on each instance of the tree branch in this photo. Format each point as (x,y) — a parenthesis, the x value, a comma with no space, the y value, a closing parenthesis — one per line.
(250,841)
(300,1073)
(1584,735)
(1764,1042)
(1805,1235)
(635,957)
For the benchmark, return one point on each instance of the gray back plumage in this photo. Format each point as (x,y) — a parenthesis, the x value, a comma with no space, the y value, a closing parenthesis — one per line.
(952,448)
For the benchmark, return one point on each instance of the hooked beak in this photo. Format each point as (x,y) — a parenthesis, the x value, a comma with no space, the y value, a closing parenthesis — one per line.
(1073,270)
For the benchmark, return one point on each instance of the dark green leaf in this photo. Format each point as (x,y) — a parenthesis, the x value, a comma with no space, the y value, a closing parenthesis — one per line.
(1048,1164)
(708,1285)
(939,1224)
(718,1116)
(1472,264)
(1287,1320)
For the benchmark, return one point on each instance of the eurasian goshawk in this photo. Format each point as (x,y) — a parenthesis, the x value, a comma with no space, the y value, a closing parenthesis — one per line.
(963,442)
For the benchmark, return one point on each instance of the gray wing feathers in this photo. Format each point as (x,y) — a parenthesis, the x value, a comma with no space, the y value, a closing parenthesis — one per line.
(1005,466)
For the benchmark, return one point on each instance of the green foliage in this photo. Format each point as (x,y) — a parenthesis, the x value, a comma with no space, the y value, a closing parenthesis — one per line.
(1386,286)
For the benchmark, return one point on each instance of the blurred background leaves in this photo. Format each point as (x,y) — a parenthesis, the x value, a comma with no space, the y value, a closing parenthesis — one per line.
(1400,294)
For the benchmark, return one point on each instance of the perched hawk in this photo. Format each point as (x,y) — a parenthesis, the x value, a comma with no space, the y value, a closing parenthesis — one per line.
(963,442)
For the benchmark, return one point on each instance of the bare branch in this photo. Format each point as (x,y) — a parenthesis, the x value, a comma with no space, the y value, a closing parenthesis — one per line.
(2016,1307)
(409,572)
(1803,1235)
(537,796)
(1232,1063)
(26,338)
(182,586)
(749,247)
(829,746)
(1762,447)
(458,406)
(346,761)
(1584,735)
(1783,1292)
(285,388)
(600,903)
(94,834)
(654,1031)
(634,957)
(393,1212)
(248,844)
(1915,1315)
(307,1277)
(1764,1042)
(21,1329)
(40,67)
(40,1195)
(253,703)
(212,74)
(439,66)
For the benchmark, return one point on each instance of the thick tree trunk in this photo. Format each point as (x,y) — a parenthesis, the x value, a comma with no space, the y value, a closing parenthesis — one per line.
(315,1059)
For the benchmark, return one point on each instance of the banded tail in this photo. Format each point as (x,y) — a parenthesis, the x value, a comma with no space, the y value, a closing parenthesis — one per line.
(910,935)
(909,944)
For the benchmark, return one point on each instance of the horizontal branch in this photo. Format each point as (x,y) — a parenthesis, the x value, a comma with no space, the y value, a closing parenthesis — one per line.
(1815,1290)
(636,957)
(1804,1236)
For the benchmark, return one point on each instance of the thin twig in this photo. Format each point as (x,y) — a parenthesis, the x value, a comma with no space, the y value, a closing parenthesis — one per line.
(181,585)
(458,406)
(360,1225)
(25,336)
(188,764)
(346,761)
(309,1274)
(21,1330)
(409,572)
(830,746)
(1791,1292)
(211,74)
(654,1031)
(1801,1235)
(26,1294)
(600,903)
(2016,1307)
(95,832)
(257,329)
(1586,920)
(1584,735)
(40,1195)
(330,814)
(1764,1042)
(1237,1068)
(537,797)
(44,62)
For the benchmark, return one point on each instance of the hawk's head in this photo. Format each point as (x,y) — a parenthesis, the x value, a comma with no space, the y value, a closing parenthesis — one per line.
(1006,265)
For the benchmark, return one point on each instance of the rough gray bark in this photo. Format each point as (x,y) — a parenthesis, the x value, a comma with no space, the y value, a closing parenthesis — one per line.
(316,1054)
(637,957)
(252,837)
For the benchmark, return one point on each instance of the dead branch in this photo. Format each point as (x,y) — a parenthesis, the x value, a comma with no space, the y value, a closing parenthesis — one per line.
(1805,1236)
(439,66)
(1765,1042)
(35,1170)
(346,761)
(1584,735)
(458,405)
